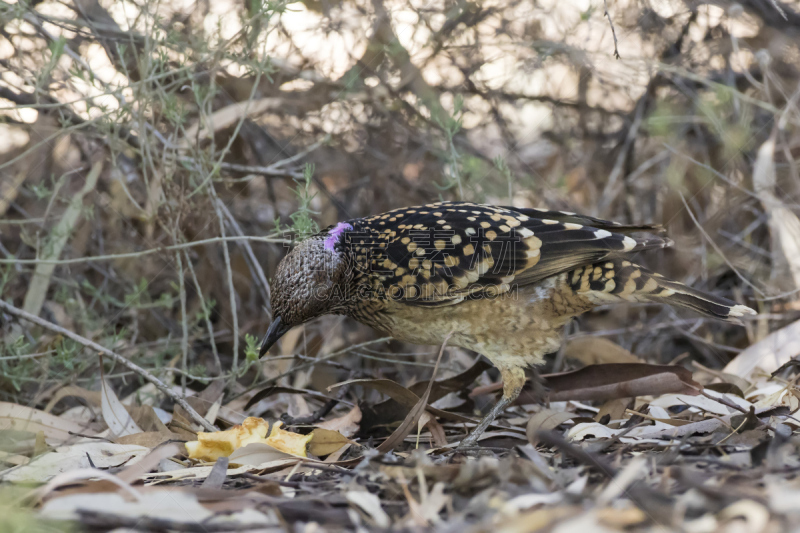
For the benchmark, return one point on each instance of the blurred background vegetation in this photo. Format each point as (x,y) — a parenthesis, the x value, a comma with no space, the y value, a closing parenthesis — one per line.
(158,157)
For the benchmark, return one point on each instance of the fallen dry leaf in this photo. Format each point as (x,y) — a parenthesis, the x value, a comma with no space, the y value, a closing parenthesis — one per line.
(260,454)
(326,441)
(149,439)
(615,409)
(74,457)
(399,434)
(91,397)
(150,461)
(347,425)
(598,350)
(611,381)
(768,354)
(21,418)
(607,382)
(545,420)
(118,419)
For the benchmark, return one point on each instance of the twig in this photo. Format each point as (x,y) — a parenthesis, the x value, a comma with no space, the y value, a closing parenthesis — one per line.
(613,32)
(184,324)
(322,359)
(250,257)
(722,87)
(779,10)
(724,401)
(317,415)
(717,248)
(19,313)
(414,415)
(231,289)
(248,169)
(275,169)
(245,110)
(209,326)
(131,255)
(612,189)
(109,520)
(655,504)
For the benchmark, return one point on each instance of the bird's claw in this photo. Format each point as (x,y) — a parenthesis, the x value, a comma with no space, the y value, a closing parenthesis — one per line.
(471,449)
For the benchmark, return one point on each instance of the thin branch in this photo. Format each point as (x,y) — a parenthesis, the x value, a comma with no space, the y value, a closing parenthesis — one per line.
(206,313)
(613,32)
(231,289)
(184,324)
(252,262)
(19,313)
(717,248)
(131,255)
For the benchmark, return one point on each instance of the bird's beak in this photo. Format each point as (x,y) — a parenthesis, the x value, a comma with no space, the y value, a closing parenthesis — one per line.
(275,332)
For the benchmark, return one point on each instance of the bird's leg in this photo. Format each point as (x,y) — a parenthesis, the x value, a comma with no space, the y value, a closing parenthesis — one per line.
(513,380)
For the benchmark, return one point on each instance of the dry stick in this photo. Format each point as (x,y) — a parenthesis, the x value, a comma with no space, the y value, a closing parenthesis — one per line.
(19,313)
(613,32)
(413,416)
(149,251)
(313,362)
(779,10)
(231,289)
(613,184)
(673,69)
(206,314)
(250,257)
(717,248)
(275,169)
(33,19)
(184,325)
(726,402)
(653,503)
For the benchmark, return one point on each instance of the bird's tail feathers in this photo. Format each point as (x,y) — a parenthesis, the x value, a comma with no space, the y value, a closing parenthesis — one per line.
(621,280)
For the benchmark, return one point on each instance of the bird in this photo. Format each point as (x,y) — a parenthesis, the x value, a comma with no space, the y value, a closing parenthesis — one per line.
(501,281)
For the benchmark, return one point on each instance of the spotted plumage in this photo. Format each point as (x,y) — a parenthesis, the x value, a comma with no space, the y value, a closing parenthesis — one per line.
(502,281)
(443,253)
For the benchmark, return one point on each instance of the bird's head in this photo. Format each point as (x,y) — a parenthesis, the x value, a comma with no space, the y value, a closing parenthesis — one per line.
(310,281)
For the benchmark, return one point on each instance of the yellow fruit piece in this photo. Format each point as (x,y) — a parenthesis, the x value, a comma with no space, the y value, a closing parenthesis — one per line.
(288,442)
(211,446)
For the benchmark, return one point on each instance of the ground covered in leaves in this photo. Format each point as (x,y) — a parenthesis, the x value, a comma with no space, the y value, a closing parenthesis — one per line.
(709,451)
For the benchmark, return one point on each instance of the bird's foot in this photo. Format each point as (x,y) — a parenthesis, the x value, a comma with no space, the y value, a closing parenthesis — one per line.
(470,442)
(473,451)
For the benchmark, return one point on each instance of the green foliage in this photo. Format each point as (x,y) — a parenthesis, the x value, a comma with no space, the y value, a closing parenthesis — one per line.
(199,371)
(303,225)
(251,347)
(41,191)
(206,305)
(451,125)
(6,275)
(17,517)
(139,297)
(56,49)
(502,166)
(662,121)
(13,371)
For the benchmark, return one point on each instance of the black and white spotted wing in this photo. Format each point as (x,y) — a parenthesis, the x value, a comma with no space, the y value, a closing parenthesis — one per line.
(442,253)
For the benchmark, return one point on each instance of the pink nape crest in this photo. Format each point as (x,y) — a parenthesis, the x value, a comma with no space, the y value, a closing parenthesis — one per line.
(335,234)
